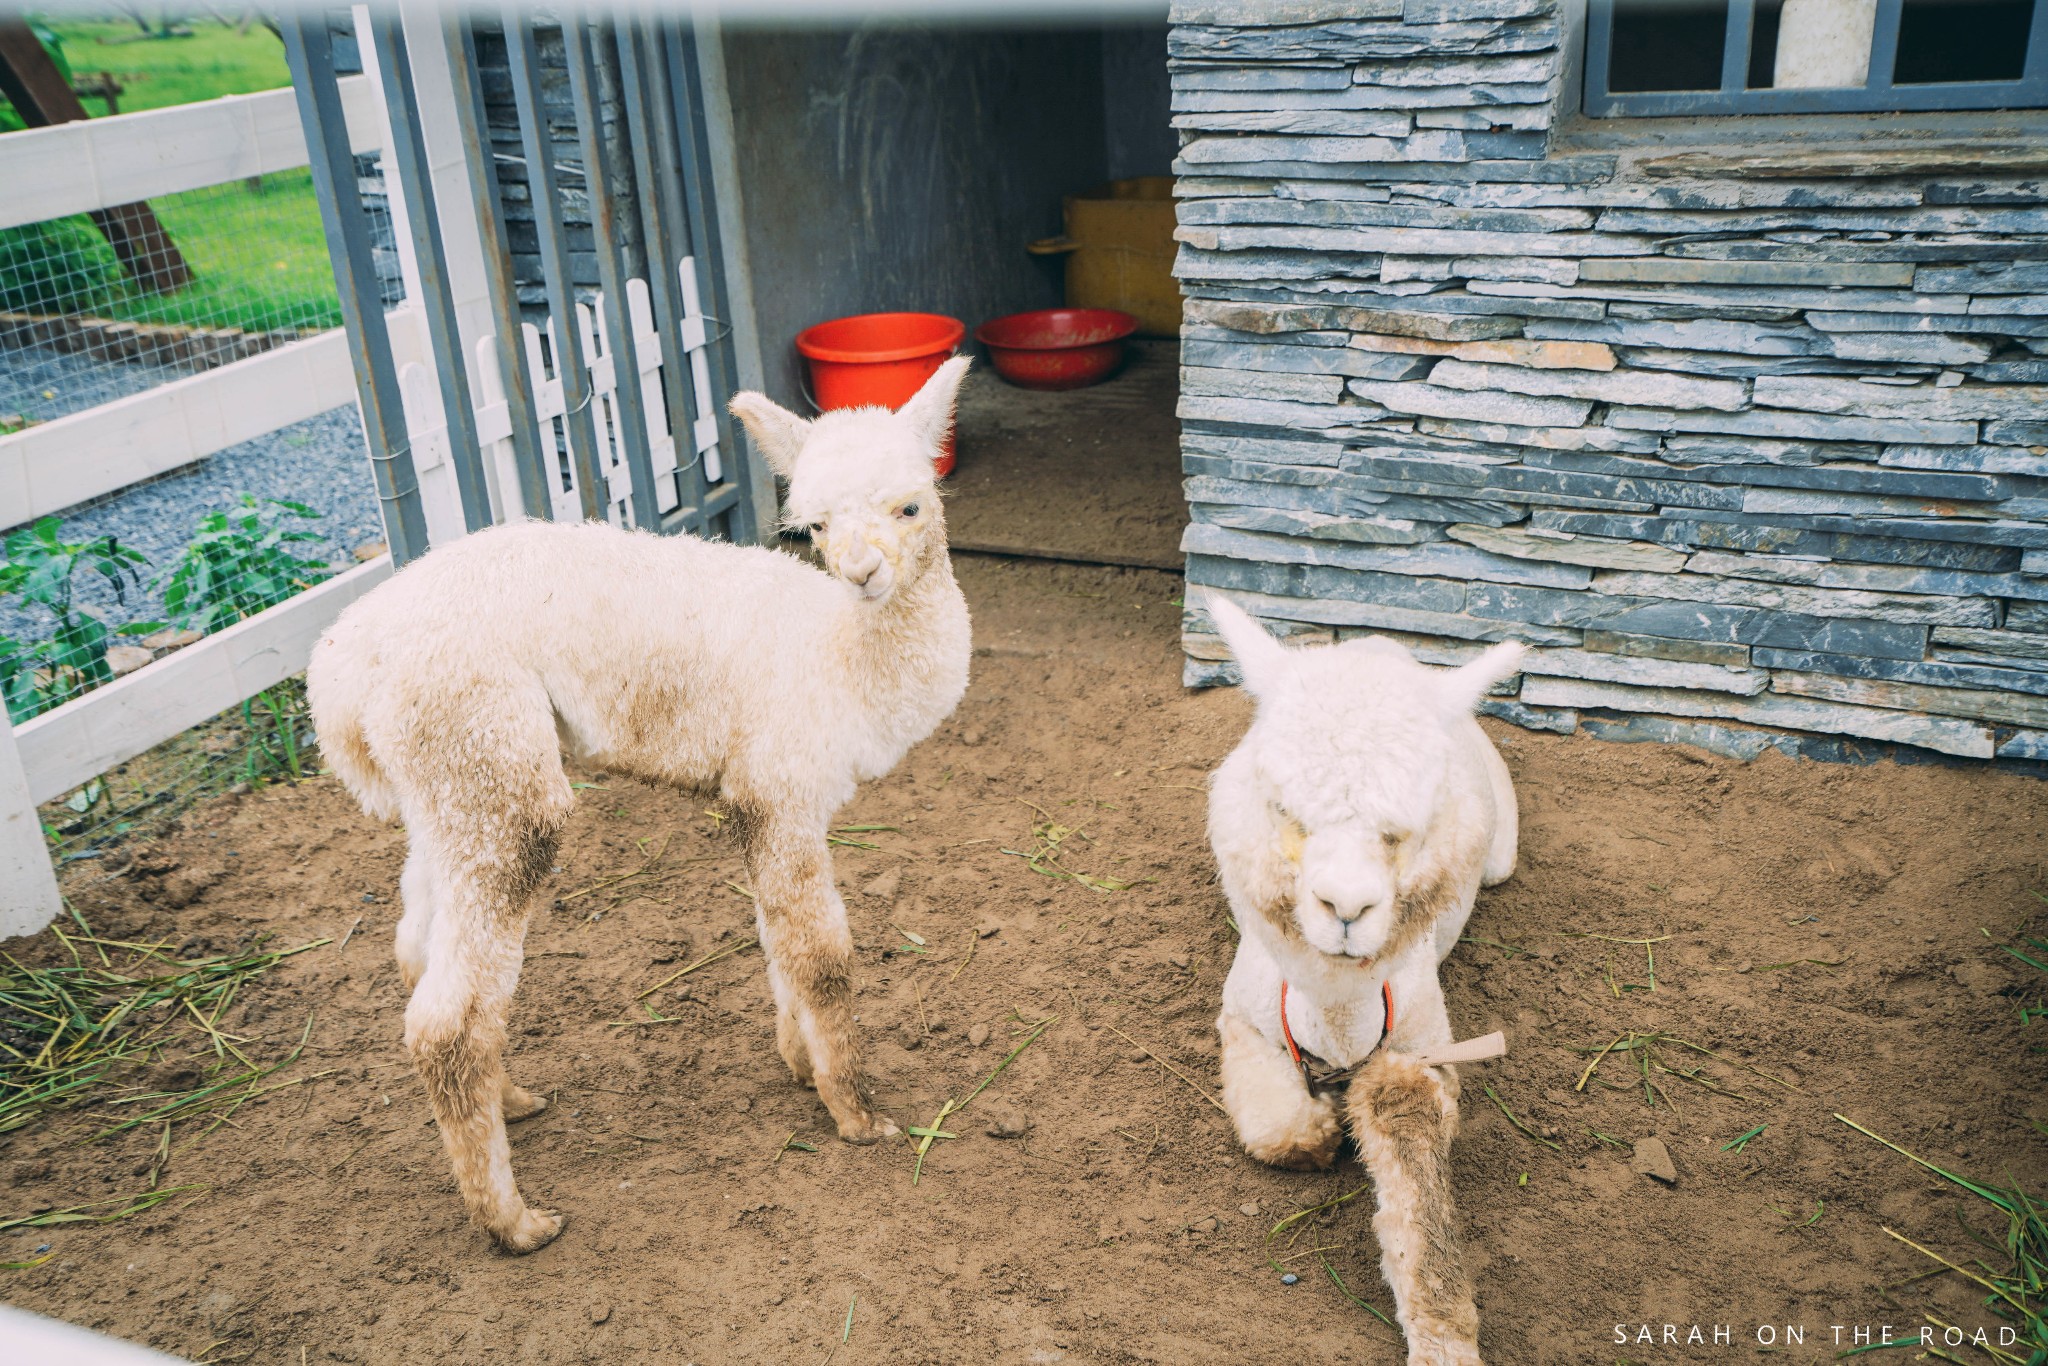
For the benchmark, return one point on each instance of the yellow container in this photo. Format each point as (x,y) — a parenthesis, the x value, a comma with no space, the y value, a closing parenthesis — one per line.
(1119,250)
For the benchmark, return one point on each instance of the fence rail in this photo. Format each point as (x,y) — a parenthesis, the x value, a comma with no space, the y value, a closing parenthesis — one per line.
(72,744)
(85,455)
(70,168)
(79,167)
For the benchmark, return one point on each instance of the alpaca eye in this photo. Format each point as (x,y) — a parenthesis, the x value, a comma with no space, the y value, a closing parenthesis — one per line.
(1394,838)
(910,509)
(816,528)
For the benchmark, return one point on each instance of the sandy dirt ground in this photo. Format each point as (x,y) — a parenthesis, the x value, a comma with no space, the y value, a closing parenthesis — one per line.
(1112,451)
(1835,927)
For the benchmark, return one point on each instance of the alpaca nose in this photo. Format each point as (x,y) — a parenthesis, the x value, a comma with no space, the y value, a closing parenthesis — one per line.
(1347,903)
(858,568)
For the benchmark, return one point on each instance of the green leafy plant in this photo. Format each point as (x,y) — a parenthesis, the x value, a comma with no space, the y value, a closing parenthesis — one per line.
(19,661)
(41,569)
(242,561)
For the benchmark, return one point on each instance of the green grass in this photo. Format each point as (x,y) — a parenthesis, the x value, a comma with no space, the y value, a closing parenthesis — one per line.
(161,72)
(258,255)
(256,248)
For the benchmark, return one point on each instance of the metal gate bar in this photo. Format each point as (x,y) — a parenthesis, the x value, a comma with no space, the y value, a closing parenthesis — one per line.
(309,50)
(660,226)
(535,465)
(423,224)
(612,274)
(643,176)
(693,164)
(544,190)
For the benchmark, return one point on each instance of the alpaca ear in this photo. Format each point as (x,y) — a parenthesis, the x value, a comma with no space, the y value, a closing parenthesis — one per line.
(777,433)
(1467,684)
(1261,659)
(930,409)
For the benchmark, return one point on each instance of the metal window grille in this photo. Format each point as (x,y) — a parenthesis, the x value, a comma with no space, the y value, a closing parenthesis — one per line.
(1740,82)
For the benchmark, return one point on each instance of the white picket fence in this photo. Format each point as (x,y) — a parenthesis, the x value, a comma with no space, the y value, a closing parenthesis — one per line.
(101,163)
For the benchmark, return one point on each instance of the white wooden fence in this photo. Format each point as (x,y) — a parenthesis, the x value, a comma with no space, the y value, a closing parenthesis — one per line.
(74,168)
(101,163)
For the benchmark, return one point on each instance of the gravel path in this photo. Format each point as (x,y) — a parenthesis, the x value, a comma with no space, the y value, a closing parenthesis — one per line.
(40,384)
(321,462)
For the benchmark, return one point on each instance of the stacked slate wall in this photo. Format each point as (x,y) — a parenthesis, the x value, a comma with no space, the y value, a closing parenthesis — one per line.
(1750,439)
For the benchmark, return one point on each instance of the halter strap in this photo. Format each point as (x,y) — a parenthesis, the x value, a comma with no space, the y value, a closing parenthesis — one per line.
(1294,1049)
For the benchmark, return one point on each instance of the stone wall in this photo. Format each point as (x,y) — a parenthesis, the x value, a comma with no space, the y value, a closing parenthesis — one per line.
(1749,436)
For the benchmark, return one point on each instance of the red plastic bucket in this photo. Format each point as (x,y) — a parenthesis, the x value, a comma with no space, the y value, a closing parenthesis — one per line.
(878,360)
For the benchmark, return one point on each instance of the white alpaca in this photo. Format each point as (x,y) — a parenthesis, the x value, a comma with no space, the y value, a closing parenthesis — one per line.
(446,697)
(1353,827)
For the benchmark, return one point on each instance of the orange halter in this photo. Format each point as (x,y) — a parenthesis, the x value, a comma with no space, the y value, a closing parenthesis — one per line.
(1294,1049)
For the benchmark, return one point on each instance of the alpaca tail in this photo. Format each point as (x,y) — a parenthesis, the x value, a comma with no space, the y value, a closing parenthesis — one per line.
(337,689)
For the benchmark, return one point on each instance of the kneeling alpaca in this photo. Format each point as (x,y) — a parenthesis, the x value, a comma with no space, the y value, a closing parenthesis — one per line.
(1353,827)
(445,698)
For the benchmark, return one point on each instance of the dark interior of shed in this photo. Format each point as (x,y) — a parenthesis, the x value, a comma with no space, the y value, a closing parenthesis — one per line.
(907,167)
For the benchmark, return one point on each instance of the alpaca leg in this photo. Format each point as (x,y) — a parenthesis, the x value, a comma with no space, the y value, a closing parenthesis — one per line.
(1277,1120)
(803,931)
(1403,1117)
(789,1035)
(1501,855)
(417,892)
(455,1032)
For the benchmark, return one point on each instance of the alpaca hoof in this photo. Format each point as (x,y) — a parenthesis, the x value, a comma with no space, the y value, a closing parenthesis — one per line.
(1292,1157)
(521,1103)
(1308,1144)
(867,1129)
(534,1229)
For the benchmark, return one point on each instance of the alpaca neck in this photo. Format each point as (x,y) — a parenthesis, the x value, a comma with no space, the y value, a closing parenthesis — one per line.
(910,652)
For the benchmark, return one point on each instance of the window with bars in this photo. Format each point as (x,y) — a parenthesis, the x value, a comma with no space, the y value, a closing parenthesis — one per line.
(1651,57)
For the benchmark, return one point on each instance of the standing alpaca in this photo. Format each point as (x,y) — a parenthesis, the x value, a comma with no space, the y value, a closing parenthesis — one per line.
(1353,827)
(445,699)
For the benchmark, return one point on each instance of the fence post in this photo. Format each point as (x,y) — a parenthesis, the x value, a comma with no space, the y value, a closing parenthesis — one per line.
(701,90)
(309,52)
(29,898)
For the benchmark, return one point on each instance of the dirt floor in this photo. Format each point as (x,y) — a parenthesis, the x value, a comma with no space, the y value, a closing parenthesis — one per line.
(1111,451)
(1835,927)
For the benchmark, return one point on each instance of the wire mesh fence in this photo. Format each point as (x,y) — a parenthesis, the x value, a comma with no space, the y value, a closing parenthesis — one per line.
(101,589)
(81,324)
(239,558)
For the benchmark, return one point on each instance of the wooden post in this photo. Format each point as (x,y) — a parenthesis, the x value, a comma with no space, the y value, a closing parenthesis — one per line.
(38,91)
(29,898)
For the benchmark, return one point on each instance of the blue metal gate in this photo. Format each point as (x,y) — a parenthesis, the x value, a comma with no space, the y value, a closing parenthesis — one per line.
(597,387)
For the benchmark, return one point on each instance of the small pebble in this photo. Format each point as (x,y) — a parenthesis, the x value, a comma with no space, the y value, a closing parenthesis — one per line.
(1009,1124)
(1179,960)
(1289,1279)
(1248,1208)
(978,1035)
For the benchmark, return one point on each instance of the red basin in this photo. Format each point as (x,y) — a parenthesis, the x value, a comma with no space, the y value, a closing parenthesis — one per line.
(1057,348)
